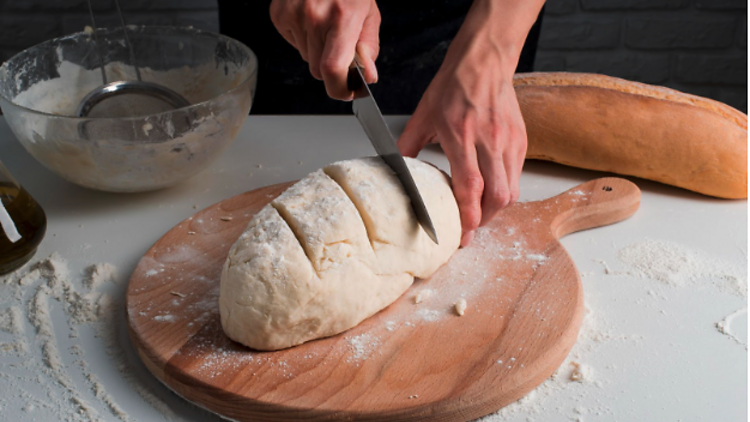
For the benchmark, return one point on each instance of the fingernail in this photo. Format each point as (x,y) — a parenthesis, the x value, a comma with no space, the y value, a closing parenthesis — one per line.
(467,238)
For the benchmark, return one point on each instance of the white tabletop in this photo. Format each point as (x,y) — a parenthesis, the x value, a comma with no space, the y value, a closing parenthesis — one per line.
(650,349)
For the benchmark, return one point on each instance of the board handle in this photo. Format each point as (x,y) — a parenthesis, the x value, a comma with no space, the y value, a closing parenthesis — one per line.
(593,204)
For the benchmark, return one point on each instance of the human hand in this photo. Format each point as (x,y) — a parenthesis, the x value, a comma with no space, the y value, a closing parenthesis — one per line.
(470,109)
(327,33)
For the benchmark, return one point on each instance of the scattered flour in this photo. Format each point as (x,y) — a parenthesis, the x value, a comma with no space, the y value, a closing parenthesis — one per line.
(98,274)
(662,261)
(580,372)
(725,326)
(49,280)
(16,347)
(101,393)
(11,320)
(573,373)
(469,271)
(422,295)
(30,277)
(678,265)
(429,315)
(164,318)
(53,365)
(607,270)
(362,347)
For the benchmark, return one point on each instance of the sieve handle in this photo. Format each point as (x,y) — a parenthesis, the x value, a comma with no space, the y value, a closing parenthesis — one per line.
(98,46)
(127,40)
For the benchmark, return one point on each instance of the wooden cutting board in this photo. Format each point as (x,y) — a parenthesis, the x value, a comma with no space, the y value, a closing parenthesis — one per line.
(411,361)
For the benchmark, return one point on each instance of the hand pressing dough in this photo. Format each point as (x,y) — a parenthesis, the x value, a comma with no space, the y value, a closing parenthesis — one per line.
(335,248)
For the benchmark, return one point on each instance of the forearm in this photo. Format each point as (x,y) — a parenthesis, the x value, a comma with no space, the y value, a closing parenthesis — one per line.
(496,29)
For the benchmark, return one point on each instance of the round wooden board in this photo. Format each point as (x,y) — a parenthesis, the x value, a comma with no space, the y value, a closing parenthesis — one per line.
(411,361)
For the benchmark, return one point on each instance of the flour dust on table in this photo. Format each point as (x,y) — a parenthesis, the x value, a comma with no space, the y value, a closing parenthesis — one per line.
(678,266)
(731,326)
(575,377)
(72,391)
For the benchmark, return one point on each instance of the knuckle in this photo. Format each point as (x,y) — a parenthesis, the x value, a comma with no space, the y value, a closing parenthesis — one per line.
(330,67)
(496,129)
(459,125)
(496,199)
(497,142)
(473,184)
(339,11)
(456,123)
(308,7)
(501,198)
(312,13)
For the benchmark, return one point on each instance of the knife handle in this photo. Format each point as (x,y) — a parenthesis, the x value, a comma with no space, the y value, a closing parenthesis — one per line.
(355,78)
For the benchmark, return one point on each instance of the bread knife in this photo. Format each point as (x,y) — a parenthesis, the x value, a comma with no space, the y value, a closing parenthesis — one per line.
(369,116)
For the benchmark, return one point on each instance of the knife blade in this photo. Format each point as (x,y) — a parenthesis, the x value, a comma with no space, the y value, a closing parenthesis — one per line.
(372,121)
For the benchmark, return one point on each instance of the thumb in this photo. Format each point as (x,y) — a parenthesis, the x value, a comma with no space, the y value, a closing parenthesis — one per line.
(365,52)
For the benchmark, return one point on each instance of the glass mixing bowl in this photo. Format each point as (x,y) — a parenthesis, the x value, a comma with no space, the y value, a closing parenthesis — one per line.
(41,87)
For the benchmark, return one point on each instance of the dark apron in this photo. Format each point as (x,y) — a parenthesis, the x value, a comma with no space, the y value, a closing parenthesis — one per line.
(414,37)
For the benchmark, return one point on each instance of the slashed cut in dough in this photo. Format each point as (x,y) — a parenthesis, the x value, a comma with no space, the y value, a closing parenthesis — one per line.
(335,248)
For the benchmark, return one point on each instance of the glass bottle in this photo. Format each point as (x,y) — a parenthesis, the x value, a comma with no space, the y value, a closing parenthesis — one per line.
(22,223)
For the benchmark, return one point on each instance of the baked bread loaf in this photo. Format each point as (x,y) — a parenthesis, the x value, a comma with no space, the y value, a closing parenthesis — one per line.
(335,248)
(603,123)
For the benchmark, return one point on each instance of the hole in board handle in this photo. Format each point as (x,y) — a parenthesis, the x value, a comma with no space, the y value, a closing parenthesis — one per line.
(607,188)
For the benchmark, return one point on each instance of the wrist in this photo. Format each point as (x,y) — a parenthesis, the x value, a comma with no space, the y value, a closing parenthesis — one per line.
(478,53)
(496,29)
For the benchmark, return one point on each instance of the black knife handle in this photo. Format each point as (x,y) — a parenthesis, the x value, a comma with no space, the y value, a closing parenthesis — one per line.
(355,79)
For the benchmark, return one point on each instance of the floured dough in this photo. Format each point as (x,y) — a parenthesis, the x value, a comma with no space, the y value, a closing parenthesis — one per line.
(335,248)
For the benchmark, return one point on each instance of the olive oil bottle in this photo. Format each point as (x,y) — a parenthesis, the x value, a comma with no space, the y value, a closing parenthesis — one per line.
(22,224)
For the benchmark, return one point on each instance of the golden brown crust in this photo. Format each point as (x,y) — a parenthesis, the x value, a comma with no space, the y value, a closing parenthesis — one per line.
(630,87)
(608,124)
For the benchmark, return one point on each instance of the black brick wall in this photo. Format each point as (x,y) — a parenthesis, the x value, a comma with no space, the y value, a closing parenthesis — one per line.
(24,23)
(695,46)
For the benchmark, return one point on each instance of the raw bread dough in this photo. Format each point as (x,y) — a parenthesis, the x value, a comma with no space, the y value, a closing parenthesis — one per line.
(335,248)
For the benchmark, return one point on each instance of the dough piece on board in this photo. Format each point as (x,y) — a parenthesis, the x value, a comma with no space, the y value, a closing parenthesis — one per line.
(399,242)
(267,265)
(334,249)
(326,222)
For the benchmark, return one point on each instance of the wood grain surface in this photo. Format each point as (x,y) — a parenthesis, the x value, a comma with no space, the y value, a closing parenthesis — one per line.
(411,361)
